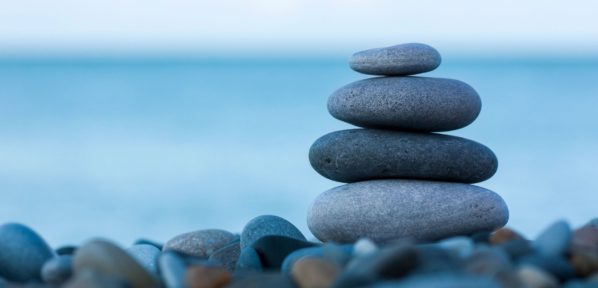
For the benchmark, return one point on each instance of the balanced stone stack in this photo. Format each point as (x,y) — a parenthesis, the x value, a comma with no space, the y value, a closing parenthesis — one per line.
(405,181)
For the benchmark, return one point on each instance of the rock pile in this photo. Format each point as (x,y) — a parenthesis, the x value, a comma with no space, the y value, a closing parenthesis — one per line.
(404,180)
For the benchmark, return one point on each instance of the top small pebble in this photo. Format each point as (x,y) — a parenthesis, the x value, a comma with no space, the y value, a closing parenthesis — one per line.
(398,60)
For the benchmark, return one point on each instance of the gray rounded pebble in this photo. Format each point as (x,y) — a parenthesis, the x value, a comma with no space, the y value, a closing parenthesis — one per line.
(443,281)
(201,243)
(555,239)
(147,255)
(58,270)
(364,154)
(172,269)
(268,225)
(386,210)
(22,253)
(406,103)
(402,59)
(249,260)
(110,260)
(227,256)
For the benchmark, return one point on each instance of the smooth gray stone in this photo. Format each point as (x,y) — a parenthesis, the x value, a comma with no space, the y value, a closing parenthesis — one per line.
(58,270)
(249,261)
(22,253)
(365,154)
(402,59)
(172,269)
(227,256)
(201,243)
(93,279)
(387,210)
(406,103)
(147,255)
(110,260)
(268,225)
(555,239)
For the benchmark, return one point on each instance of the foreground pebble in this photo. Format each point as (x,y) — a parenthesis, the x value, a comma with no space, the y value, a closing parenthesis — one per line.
(108,259)
(22,253)
(364,154)
(403,59)
(200,243)
(268,225)
(387,210)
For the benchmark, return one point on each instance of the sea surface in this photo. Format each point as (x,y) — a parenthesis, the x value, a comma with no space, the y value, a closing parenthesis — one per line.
(128,148)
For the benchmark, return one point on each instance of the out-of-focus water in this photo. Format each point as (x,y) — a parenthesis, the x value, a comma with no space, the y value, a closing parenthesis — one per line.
(152,148)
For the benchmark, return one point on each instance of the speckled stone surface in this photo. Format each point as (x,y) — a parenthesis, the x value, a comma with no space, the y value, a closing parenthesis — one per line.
(402,59)
(22,253)
(364,154)
(146,255)
(268,225)
(201,243)
(406,103)
(387,210)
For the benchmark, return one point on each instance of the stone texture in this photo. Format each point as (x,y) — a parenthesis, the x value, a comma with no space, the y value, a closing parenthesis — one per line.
(57,270)
(555,239)
(364,154)
(406,103)
(108,259)
(147,255)
(249,260)
(272,249)
(200,243)
(504,235)
(227,256)
(22,253)
(172,269)
(386,210)
(402,59)
(268,225)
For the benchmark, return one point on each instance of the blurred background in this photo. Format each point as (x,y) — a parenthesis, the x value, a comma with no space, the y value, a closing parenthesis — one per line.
(128,119)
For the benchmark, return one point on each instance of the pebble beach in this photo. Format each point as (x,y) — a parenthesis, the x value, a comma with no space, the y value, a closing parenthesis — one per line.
(410,213)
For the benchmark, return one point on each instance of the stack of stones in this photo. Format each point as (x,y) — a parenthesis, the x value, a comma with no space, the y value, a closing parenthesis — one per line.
(405,181)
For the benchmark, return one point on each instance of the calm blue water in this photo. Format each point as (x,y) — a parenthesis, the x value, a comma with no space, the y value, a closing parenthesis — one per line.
(152,148)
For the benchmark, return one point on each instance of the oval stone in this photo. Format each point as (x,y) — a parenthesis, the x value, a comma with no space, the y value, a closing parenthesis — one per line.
(201,243)
(406,103)
(22,253)
(365,154)
(402,59)
(268,225)
(387,210)
(108,259)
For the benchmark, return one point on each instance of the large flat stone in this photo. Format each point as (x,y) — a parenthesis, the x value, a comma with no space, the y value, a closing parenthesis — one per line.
(364,154)
(388,210)
(406,103)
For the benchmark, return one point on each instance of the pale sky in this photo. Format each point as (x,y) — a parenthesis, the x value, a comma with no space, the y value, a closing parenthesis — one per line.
(296,25)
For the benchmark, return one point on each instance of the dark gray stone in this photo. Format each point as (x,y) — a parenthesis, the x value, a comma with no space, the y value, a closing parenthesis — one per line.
(365,154)
(268,225)
(329,252)
(227,256)
(172,269)
(108,259)
(147,255)
(386,210)
(555,265)
(406,103)
(58,270)
(391,262)
(200,243)
(148,242)
(66,250)
(93,279)
(22,253)
(402,59)
(555,239)
(249,261)
(274,249)
(263,280)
